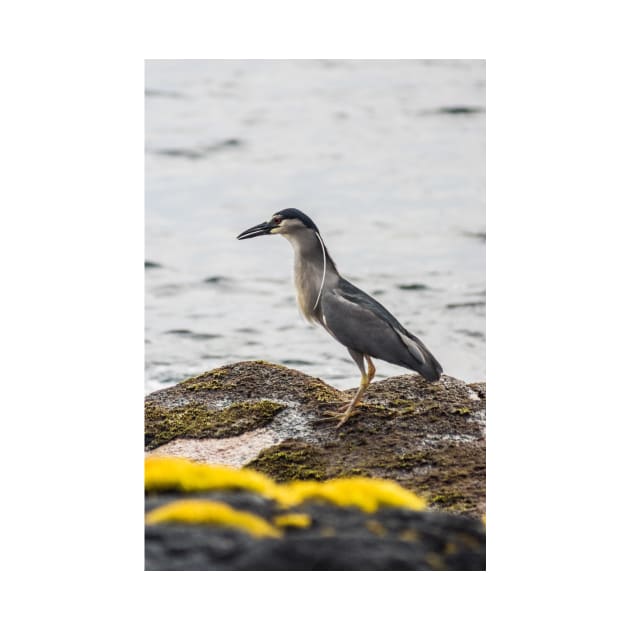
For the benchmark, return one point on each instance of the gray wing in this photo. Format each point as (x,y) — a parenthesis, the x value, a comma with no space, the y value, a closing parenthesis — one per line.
(364,325)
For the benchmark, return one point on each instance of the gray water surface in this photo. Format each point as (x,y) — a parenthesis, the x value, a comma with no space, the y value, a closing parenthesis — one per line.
(387,157)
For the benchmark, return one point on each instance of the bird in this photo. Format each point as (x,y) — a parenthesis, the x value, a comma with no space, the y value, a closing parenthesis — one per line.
(351,316)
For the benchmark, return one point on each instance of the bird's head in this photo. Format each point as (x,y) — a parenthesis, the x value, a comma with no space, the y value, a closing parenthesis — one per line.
(289,222)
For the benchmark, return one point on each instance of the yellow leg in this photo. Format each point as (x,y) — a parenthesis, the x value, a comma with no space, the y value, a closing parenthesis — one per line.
(366,379)
(371,369)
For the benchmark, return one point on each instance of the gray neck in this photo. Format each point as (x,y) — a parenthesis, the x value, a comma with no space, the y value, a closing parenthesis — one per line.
(309,270)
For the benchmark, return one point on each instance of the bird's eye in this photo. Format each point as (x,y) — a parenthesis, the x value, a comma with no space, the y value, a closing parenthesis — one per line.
(277,220)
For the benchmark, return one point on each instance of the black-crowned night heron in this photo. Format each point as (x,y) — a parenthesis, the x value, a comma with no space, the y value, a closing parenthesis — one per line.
(351,316)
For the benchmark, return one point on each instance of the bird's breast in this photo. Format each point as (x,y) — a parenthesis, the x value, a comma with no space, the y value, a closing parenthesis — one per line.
(308,280)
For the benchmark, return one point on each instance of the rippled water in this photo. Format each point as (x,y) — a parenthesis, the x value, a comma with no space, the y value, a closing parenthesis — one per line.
(387,157)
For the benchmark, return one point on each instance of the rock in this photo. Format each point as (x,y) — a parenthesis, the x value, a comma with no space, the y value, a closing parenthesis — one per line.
(202,517)
(429,437)
(338,540)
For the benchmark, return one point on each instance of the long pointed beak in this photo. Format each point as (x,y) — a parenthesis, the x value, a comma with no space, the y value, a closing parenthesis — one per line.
(258,230)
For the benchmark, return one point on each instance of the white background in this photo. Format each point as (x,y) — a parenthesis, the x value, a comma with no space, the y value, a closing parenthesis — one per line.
(72,153)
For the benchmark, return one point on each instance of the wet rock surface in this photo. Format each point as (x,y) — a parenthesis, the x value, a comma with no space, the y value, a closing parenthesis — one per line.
(336,539)
(429,437)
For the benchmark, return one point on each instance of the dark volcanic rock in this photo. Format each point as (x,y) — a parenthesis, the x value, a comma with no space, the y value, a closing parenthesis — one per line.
(338,539)
(429,437)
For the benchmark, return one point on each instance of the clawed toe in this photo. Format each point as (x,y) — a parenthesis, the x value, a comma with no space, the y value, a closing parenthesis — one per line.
(343,408)
(330,414)
(342,414)
(337,410)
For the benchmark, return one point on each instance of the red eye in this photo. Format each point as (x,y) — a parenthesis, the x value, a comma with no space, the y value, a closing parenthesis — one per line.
(277,220)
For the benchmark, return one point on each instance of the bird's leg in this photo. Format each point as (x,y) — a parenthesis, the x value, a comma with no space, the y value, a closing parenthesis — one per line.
(370,367)
(355,401)
(366,379)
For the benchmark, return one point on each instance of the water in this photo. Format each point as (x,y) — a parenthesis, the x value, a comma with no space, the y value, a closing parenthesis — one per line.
(387,157)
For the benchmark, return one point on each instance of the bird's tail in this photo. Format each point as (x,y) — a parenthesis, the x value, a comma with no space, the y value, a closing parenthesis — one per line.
(425,363)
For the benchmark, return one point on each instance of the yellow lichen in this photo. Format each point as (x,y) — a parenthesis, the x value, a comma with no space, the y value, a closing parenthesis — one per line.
(292,520)
(366,494)
(375,527)
(435,561)
(450,548)
(171,473)
(408,535)
(199,512)
(163,474)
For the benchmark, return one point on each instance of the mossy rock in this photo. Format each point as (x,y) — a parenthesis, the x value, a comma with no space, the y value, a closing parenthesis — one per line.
(198,421)
(451,478)
(429,437)
(291,460)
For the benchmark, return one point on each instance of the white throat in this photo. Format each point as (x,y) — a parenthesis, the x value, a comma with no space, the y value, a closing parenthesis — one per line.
(310,269)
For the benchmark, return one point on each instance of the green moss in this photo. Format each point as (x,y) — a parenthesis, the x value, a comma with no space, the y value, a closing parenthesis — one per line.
(409,408)
(291,460)
(377,410)
(409,461)
(197,421)
(319,391)
(462,411)
(452,501)
(211,384)
(405,406)
(397,402)
(215,379)
(387,464)
(357,471)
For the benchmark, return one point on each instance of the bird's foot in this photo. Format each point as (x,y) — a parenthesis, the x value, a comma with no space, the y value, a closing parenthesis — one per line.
(342,414)
(338,412)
